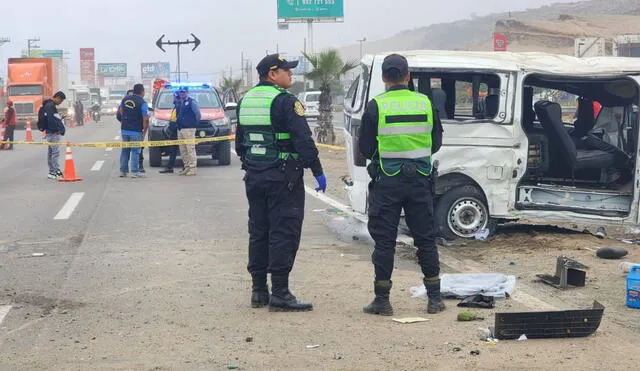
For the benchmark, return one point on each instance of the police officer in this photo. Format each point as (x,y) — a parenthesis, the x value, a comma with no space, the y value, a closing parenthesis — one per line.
(400,131)
(134,116)
(274,142)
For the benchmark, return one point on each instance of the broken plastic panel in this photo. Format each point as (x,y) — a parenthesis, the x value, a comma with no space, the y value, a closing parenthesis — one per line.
(553,324)
(568,272)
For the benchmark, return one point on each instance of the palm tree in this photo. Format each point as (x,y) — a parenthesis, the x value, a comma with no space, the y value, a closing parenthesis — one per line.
(328,67)
(230,83)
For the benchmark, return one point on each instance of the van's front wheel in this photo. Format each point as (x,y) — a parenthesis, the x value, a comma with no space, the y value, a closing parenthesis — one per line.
(461,212)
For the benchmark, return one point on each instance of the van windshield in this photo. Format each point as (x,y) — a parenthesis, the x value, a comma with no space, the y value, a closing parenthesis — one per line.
(312,98)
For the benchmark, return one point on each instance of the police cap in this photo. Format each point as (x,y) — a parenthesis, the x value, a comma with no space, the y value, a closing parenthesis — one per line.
(395,61)
(272,62)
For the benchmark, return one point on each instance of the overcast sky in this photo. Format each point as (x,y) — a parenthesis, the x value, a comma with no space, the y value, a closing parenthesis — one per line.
(126,30)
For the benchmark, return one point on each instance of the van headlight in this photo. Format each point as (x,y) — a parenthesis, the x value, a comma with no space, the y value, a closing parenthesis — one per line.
(220,122)
(156,122)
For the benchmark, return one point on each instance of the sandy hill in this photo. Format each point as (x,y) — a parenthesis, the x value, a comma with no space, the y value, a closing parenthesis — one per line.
(549,29)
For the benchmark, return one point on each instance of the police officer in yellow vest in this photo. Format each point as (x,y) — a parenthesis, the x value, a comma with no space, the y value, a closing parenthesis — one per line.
(275,145)
(400,131)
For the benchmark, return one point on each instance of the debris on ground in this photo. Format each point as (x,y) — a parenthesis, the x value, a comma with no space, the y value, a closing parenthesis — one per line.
(469,316)
(460,286)
(568,272)
(478,301)
(410,320)
(312,346)
(522,337)
(625,267)
(611,252)
(475,352)
(549,324)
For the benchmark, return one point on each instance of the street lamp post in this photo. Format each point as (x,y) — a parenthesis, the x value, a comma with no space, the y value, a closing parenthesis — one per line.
(361,41)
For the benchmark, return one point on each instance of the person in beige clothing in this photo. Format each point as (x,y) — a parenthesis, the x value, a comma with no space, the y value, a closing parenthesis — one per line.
(188,116)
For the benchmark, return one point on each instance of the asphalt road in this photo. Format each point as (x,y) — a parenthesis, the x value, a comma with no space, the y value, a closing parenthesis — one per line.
(78,280)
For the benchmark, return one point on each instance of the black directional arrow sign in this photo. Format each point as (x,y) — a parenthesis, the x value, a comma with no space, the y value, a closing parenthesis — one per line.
(196,42)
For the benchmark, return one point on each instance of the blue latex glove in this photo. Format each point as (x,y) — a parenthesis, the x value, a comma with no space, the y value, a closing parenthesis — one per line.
(322,183)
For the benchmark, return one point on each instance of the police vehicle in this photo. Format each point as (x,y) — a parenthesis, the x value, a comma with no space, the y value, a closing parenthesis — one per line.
(213,123)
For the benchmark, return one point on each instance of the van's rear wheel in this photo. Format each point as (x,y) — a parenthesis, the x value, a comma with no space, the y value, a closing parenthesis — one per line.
(461,212)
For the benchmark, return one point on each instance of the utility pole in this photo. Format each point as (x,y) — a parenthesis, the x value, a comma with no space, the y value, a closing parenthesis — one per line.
(310,35)
(361,41)
(29,41)
(242,67)
(195,41)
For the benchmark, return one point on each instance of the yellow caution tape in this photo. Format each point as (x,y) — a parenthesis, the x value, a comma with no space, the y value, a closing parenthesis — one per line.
(158,143)
(337,148)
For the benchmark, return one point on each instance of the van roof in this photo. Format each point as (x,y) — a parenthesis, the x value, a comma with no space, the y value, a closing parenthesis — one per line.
(510,61)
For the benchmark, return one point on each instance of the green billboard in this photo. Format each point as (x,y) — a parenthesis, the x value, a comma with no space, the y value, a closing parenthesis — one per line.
(112,69)
(301,10)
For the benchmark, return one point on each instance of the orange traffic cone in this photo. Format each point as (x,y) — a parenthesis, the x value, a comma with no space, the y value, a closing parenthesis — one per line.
(29,134)
(3,146)
(69,167)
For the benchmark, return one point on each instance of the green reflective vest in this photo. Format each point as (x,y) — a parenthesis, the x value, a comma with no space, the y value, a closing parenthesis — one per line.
(260,138)
(404,131)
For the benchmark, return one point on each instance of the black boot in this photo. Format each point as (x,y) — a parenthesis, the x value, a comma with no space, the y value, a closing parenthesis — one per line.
(381,304)
(435,304)
(282,300)
(259,291)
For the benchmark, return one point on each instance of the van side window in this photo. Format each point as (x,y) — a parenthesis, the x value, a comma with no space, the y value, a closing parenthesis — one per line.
(350,98)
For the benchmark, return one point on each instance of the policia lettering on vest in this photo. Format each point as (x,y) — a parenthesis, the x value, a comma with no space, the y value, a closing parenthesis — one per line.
(400,131)
(274,143)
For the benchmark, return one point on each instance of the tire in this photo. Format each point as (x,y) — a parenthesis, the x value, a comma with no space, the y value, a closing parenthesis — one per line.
(461,212)
(155,156)
(224,153)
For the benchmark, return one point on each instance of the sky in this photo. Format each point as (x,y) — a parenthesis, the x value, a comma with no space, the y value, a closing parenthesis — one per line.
(126,30)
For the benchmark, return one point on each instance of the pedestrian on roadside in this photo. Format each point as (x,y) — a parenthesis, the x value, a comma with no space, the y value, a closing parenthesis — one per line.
(274,143)
(400,132)
(79,112)
(134,113)
(141,157)
(50,122)
(188,117)
(172,134)
(10,123)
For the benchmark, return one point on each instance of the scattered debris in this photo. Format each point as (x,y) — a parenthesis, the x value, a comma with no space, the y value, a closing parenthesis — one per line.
(634,241)
(312,346)
(611,252)
(551,324)
(248,339)
(625,267)
(38,254)
(456,349)
(484,333)
(482,234)
(232,367)
(410,320)
(633,288)
(568,272)
(475,352)
(600,233)
(512,262)
(522,337)
(478,301)
(469,316)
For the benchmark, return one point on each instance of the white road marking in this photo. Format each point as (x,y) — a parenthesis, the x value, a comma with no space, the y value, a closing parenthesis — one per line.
(69,206)
(117,137)
(98,165)
(108,149)
(4,310)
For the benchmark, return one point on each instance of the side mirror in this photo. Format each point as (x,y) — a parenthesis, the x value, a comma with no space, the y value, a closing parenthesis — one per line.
(230,106)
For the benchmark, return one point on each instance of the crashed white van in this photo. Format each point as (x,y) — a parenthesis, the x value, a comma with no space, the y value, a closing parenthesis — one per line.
(541,137)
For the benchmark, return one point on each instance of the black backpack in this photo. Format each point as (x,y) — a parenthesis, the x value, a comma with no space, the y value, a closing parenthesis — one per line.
(42,119)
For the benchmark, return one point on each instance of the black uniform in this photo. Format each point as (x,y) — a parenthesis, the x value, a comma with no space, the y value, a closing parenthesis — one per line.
(388,195)
(276,207)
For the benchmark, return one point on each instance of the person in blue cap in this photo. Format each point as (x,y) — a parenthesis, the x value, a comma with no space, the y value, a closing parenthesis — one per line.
(274,143)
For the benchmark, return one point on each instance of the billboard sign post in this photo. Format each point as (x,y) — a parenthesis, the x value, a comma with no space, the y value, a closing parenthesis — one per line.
(112,69)
(309,11)
(155,70)
(88,65)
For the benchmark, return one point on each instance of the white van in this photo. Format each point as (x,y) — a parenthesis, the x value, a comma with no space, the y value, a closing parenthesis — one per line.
(311,102)
(541,137)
